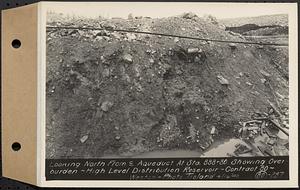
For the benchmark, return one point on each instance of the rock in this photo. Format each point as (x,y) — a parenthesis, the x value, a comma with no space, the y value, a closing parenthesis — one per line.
(106,38)
(101,33)
(179,72)
(213,130)
(263,81)
(127,58)
(106,73)
(99,38)
(232,45)
(96,32)
(176,39)
(197,59)
(211,19)
(130,16)
(260,47)
(105,106)
(132,28)
(147,36)
(117,138)
(151,60)
(109,26)
(84,138)
(264,73)
(189,15)
(102,58)
(52,89)
(249,83)
(131,37)
(193,50)
(81,32)
(231,33)
(197,28)
(247,74)
(222,80)
(116,35)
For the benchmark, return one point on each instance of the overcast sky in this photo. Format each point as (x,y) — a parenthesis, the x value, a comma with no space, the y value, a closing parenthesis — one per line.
(165,9)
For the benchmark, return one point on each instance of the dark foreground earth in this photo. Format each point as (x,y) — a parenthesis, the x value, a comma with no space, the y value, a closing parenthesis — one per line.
(114,93)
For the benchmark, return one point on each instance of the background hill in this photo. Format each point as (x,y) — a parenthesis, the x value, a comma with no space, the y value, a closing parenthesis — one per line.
(267,20)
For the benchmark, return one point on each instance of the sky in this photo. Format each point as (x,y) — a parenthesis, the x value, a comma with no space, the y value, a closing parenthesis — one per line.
(165,9)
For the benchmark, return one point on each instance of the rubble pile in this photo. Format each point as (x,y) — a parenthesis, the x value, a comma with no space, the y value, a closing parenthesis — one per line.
(118,93)
(264,136)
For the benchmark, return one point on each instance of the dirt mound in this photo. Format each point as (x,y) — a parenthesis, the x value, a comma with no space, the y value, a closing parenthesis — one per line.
(114,93)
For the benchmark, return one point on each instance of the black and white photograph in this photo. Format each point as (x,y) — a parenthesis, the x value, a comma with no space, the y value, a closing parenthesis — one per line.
(181,81)
(151,94)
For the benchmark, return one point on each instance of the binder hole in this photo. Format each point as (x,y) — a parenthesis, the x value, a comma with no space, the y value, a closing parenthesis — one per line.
(16,43)
(16,146)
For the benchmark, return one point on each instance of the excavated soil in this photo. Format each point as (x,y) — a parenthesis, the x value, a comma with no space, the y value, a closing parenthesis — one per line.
(114,93)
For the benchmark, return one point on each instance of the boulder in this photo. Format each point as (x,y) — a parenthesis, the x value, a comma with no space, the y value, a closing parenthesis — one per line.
(127,58)
(232,45)
(84,138)
(213,130)
(130,16)
(222,80)
(189,15)
(193,50)
(105,106)
(131,37)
